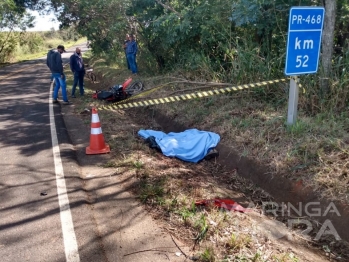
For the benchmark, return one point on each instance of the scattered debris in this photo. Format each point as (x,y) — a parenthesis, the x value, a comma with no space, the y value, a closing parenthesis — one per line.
(228,204)
(86,111)
(146,250)
(193,258)
(213,223)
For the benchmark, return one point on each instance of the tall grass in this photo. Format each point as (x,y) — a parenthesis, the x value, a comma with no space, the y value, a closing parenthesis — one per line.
(241,60)
(19,46)
(246,65)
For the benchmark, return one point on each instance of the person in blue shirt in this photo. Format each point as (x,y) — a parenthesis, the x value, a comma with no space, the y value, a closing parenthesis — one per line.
(78,68)
(131,53)
(124,46)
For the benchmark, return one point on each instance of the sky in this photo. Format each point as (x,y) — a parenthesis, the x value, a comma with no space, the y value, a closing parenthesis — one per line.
(43,23)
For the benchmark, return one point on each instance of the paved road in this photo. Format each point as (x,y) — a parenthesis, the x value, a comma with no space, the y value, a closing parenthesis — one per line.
(52,208)
(34,217)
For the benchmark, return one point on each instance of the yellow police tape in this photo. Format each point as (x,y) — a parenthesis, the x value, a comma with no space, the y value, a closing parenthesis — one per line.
(143,94)
(190,96)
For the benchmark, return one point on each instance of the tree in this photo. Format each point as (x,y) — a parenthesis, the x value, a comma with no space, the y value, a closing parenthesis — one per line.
(342,25)
(12,18)
(185,32)
(31,4)
(103,22)
(327,44)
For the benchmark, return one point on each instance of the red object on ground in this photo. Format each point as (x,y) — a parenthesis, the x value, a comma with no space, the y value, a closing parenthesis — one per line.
(228,204)
(127,82)
(124,86)
(97,144)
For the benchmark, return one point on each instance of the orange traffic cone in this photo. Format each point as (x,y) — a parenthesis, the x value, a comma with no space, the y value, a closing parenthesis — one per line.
(97,144)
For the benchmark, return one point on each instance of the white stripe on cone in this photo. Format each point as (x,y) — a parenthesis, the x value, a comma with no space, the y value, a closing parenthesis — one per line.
(96,131)
(95,118)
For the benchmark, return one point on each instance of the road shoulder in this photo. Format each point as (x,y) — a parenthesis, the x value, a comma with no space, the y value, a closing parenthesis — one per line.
(126,230)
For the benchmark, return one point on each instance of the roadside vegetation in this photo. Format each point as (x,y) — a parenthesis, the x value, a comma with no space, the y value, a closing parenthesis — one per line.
(186,46)
(313,152)
(169,188)
(16,44)
(21,46)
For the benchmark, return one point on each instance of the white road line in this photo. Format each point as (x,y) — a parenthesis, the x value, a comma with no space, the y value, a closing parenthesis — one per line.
(69,238)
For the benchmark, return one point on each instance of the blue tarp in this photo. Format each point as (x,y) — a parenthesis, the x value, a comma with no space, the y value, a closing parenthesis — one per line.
(191,145)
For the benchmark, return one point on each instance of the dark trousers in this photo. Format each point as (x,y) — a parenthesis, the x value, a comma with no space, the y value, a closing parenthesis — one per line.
(128,64)
(78,78)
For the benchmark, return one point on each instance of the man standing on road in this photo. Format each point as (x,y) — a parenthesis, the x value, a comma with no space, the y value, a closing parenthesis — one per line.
(78,69)
(55,63)
(131,52)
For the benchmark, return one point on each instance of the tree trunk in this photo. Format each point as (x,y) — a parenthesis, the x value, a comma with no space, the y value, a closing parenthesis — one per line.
(327,44)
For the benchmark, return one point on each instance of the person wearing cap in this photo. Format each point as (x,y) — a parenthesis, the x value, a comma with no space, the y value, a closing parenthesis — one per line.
(78,68)
(55,63)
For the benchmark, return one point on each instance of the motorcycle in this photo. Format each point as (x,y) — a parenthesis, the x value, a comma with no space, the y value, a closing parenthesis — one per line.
(119,92)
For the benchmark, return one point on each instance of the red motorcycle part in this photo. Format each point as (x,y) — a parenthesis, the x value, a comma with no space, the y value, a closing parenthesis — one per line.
(127,82)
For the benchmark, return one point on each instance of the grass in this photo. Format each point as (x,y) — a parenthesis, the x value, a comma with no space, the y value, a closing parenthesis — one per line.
(208,255)
(238,241)
(313,150)
(287,257)
(169,190)
(152,192)
(258,131)
(21,56)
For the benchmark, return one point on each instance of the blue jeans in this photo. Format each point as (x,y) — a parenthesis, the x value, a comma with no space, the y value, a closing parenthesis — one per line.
(136,63)
(128,65)
(60,82)
(78,78)
(131,58)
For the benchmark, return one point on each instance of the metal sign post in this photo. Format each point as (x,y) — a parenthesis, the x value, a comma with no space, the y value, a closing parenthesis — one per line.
(293,101)
(303,49)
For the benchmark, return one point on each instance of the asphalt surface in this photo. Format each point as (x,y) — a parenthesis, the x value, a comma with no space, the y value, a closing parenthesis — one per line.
(101,222)
(30,223)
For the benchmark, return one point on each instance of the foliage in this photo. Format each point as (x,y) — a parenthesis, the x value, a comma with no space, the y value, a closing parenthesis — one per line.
(236,41)
(342,25)
(24,45)
(208,255)
(31,41)
(11,18)
(198,32)
(31,4)
(94,19)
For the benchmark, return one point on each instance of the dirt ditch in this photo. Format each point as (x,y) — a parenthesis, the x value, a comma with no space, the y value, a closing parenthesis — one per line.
(281,189)
(284,200)
(327,217)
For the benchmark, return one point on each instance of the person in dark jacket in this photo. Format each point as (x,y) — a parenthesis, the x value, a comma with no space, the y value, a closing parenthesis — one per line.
(131,52)
(124,46)
(55,63)
(78,69)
